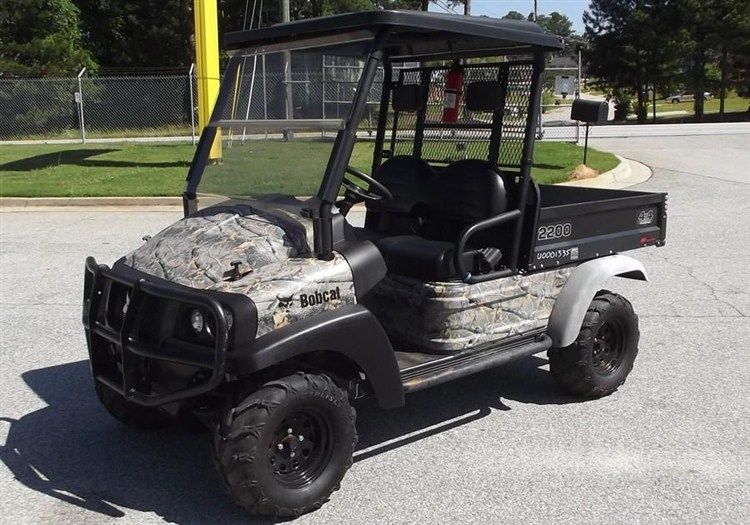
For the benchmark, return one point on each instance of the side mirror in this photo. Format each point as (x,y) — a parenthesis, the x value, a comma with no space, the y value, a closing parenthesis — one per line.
(589,111)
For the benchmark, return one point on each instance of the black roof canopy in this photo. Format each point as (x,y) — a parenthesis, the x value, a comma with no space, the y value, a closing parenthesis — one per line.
(412,34)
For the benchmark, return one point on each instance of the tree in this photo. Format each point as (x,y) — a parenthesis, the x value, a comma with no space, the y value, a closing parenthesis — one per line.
(634,46)
(139,33)
(703,17)
(514,15)
(556,23)
(143,33)
(740,67)
(41,37)
(733,42)
(719,36)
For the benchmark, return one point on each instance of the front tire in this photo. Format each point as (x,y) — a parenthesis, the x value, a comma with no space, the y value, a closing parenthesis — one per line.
(602,356)
(283,450)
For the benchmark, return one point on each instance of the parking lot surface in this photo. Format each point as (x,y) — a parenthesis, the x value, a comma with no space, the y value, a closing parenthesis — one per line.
(504,446)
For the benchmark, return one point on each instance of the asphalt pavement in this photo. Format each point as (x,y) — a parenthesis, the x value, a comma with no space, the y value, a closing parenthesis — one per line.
(504,446)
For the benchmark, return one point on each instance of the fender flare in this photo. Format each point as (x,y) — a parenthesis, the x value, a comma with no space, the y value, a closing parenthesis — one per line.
(350,330)
(571,305)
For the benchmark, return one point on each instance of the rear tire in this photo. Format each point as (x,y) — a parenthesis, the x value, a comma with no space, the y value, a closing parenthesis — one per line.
(283,450)
(130,414)
(602,356)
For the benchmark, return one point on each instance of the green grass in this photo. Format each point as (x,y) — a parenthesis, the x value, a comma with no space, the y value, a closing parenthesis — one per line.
(77,170)
(115,133)
(732,104)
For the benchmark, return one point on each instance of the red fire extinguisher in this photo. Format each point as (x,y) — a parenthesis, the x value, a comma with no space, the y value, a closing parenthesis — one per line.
(454,81)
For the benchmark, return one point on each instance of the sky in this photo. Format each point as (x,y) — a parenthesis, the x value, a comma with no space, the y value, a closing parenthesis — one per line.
(572,8)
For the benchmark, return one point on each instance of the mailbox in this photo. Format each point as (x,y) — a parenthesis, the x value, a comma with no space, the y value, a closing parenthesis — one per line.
(590,111)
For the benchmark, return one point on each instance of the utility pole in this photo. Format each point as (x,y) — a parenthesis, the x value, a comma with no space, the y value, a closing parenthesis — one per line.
(535,11)
(467,7)
(207,65)
(288,133)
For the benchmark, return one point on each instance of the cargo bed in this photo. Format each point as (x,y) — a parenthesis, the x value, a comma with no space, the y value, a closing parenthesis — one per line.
(575,224)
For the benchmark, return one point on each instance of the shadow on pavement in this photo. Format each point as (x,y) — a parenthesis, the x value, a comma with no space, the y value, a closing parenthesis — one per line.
(82,157)
(72,450)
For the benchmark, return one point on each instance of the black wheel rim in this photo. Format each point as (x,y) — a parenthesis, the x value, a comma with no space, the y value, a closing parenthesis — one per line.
(609,346)
(301,448)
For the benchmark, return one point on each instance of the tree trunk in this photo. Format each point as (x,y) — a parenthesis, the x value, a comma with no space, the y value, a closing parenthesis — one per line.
(700,84)
(425,5)
(723,82)
(653,101)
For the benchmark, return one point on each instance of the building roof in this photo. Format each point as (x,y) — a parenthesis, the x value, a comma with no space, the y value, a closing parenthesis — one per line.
(411,34)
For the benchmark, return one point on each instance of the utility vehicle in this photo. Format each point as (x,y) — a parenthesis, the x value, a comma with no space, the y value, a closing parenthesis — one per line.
(269,313)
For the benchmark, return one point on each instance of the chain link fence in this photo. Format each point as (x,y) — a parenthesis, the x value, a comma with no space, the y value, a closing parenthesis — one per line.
(90,107)
(561,87)
(97,107)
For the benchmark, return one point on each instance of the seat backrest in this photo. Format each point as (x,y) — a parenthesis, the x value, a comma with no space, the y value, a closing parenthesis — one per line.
(468,191)
(411,181)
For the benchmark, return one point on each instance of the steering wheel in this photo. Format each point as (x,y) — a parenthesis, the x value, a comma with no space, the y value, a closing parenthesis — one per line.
(375,192)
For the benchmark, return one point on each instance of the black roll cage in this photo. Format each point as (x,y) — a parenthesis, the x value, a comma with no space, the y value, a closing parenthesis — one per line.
(320,207)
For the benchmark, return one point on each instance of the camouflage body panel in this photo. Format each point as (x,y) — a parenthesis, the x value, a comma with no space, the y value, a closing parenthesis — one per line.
(446,317)
(277,271)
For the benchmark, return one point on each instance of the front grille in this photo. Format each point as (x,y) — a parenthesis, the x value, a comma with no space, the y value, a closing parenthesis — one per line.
(130,324)
(116,302)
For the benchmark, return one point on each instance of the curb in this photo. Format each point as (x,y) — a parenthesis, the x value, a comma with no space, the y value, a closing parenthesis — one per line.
(628,173)
(87,202)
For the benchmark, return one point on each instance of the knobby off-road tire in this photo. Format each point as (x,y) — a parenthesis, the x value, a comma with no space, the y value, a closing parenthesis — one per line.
(284,449)
(602,356)
(130,414)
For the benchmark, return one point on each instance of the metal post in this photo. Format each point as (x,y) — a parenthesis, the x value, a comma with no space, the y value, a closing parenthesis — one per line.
(527,154)
(192,102)
(207,65)
(80,106)
(586,144)
(578,94)
(250,96)
(265,96)
(288,134)
(323,98)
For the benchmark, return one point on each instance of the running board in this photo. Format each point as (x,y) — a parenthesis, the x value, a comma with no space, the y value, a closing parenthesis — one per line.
(443,370)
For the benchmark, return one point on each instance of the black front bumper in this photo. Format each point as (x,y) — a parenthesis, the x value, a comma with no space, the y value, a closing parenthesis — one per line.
(140,344)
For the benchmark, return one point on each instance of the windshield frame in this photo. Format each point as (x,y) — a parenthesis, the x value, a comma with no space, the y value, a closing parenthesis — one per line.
(341,152)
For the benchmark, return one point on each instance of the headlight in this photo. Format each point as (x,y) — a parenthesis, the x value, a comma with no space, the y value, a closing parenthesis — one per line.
(196,321)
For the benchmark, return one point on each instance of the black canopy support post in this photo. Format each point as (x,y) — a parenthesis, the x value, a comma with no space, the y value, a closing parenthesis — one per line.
(527,156)
(424,81)
(342,152)
(497,117)
(586,144)
(203,149)
(385,100)
(394,124)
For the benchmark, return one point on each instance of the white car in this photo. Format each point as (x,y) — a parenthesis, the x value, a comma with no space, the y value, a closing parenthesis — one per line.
(686,97)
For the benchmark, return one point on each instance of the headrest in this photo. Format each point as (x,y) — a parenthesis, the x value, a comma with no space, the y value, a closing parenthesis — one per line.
(483,96)
(408,97)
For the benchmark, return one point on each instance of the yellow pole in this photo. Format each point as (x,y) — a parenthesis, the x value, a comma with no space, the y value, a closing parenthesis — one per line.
(207,65)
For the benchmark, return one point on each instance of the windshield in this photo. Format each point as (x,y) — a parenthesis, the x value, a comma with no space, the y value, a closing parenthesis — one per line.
(279,121)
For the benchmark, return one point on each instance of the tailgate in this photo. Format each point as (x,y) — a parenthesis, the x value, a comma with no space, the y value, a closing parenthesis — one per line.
(585,223)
